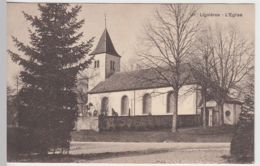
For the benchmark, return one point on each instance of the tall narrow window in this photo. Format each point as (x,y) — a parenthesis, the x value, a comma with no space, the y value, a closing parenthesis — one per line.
(124,105)
(112,65)
(147,104)
(96,64)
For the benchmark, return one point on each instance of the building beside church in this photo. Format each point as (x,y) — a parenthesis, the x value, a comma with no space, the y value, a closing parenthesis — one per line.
(135,93)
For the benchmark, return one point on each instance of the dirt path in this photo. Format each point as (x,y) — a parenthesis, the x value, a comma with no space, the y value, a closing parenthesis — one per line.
(102,147)
(204,156)
(153,152)
(133,152)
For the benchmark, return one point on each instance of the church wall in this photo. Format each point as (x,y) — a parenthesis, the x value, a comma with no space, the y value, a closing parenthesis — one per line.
(234,110)
(97,74)
(238,111)
(108,70)
(114,100)
(100,74)
(187,100)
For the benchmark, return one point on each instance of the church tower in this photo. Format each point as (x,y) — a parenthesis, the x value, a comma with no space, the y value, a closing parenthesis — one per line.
(106,60)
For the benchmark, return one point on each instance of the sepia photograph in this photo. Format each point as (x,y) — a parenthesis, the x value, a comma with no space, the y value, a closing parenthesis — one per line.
(137,83)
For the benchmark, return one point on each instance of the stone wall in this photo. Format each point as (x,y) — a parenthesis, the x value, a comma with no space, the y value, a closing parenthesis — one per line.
(87,123)
(142,123)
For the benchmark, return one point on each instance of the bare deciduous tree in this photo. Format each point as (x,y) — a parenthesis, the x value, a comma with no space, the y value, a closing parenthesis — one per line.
(226,60)
(200,65)
(232,59)
(169,38)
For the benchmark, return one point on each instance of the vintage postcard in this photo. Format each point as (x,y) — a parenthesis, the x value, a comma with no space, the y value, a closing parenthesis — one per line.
(130,83)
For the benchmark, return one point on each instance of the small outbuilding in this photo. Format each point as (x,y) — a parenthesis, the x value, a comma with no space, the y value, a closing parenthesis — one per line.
(232,110)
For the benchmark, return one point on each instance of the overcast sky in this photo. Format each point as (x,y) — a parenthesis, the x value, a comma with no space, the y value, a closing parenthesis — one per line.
(124,23)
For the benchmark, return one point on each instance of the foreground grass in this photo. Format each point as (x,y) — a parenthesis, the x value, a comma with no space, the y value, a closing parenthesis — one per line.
(212,134)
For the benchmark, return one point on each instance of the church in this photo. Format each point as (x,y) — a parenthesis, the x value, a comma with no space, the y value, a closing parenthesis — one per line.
(133,93)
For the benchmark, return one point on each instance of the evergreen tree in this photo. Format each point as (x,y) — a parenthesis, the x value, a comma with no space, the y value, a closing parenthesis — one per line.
(51,61)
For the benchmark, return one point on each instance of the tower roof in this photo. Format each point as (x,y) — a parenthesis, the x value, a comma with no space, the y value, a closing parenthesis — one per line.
(105,45)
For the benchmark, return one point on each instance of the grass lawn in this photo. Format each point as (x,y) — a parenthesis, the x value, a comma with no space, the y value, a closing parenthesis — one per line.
(210,134)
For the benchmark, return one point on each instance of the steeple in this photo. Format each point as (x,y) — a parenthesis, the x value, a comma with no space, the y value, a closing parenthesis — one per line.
(105,45)
(106,60)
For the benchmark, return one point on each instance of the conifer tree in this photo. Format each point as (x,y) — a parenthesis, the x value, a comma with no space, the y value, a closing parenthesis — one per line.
(51,61)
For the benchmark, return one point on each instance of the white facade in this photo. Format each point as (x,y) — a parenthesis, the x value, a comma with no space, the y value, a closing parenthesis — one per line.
(231,113)
(104,69)
(186,105)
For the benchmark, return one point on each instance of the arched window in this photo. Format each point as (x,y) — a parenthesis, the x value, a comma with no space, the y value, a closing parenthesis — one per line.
(147,104)
(170,102)
(124,105)
(104,106)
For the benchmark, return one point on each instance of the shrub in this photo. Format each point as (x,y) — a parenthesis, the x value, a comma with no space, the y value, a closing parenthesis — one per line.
(242,144)
(26,141)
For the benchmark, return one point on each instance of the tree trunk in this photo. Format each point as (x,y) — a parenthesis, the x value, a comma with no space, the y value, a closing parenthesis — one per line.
(175,112)
(220,112)
(204,109)
(43,152)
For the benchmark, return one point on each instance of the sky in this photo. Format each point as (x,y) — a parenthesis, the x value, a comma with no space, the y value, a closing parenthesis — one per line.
(124,23)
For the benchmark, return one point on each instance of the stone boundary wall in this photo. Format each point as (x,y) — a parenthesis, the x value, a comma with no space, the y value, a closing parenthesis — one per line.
(143,123)
(86,123)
